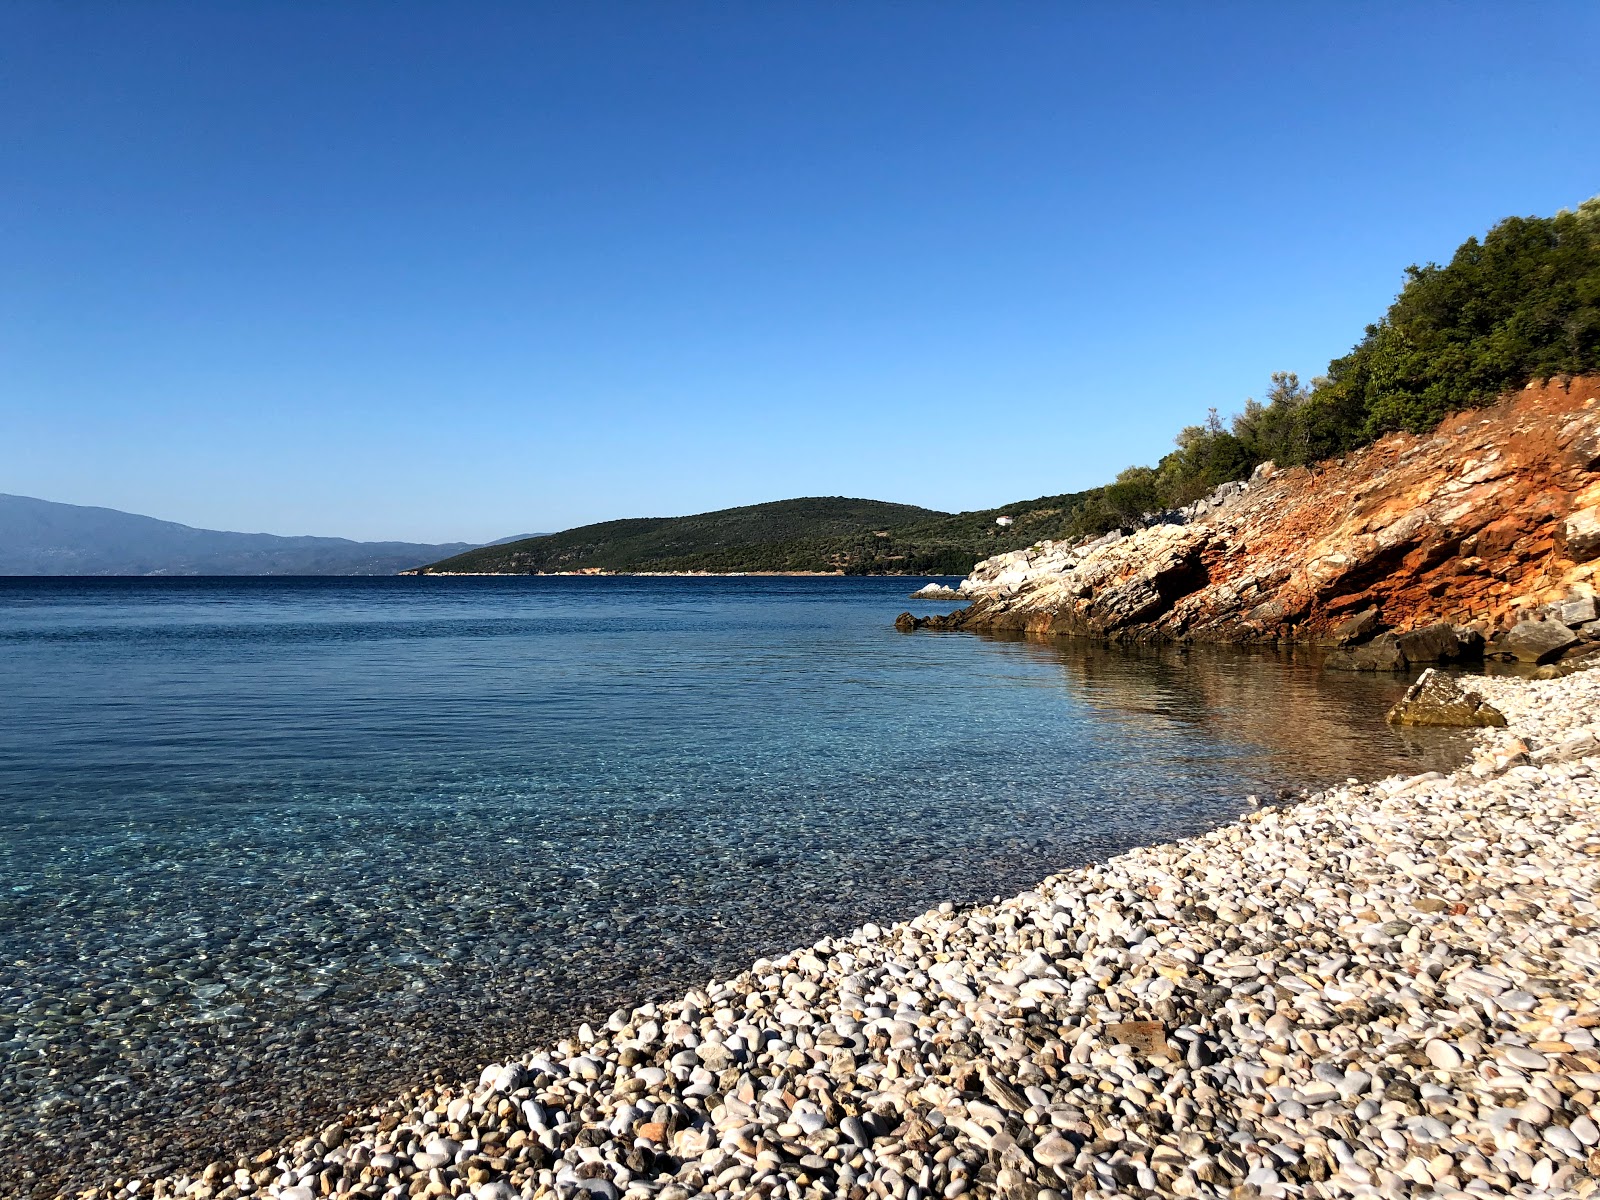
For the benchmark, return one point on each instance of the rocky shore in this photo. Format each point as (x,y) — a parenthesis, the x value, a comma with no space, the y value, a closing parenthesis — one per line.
(1479,539)
(1382,990)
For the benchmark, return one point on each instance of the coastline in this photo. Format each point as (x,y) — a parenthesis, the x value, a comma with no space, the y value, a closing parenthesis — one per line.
(1385,989)
(602,574)
(1416,550)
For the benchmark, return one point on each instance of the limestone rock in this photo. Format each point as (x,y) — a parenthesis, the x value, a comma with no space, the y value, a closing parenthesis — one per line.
(1439,644)
(1382,653)
(1437,699)
(1133,601)
(1362,625)
(1580,534)
(1534,641)
(1572,612)
(1495,509)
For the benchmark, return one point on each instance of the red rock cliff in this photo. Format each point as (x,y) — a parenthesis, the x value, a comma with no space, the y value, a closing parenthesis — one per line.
(1482,523)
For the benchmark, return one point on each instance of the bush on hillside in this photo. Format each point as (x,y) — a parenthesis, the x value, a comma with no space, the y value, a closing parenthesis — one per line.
(1522,304)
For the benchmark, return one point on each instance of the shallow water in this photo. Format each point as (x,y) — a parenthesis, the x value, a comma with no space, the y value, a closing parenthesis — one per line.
(269,847)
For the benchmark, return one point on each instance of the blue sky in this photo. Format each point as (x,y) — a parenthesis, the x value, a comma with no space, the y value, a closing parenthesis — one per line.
(458,271)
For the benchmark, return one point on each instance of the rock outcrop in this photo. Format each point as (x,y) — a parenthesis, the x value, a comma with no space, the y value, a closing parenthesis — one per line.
(1437,699)
(1481,537)
(1539,641)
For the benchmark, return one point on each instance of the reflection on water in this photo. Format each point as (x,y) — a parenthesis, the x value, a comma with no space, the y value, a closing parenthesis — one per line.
(1310,725)
(272,847)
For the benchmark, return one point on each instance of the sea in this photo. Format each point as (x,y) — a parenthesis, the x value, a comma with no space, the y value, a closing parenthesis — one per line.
(273,847)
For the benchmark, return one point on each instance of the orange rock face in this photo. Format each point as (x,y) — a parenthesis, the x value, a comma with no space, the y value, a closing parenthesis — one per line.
(1493,514)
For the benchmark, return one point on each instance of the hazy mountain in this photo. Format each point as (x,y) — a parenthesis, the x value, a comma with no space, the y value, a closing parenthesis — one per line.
(40,537)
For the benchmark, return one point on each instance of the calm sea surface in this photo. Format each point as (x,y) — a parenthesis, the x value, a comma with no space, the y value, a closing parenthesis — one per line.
(270,847)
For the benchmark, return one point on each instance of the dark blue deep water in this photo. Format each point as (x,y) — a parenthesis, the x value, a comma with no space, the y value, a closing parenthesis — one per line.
(294,842)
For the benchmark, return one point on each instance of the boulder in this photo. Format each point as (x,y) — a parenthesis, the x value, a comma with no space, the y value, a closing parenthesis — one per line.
(936,591)
(1280,610)
(1437,699)
(1382,653)
(1440,644)
(1573,611)
(1580,534)
(1357,627)
(1586,449)
(907,623)
(1533,641)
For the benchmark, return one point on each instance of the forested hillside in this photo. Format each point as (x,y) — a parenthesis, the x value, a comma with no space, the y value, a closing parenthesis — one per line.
(805,534)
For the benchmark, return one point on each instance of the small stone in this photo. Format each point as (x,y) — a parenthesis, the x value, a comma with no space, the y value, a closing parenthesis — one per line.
(810,1122)
(1147,1037)
(1528,1060)
(852,1128)
(1053,1150)
(1564,1140)
(1442,1055)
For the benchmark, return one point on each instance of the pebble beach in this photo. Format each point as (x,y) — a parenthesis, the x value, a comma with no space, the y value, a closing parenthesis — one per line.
(1386,989)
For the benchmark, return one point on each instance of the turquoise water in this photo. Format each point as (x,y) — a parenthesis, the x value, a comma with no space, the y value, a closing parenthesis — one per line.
(314,838)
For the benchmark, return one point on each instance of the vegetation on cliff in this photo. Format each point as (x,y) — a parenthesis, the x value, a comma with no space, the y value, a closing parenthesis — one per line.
(1523,304)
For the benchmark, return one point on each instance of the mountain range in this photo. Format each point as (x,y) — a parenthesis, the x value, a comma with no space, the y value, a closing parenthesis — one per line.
(41,537)
(821,534)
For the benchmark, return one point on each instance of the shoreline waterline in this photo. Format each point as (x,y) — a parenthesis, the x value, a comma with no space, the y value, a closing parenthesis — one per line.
(1387,970)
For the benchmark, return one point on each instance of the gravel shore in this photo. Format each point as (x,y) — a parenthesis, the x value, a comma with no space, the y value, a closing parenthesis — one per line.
(1387,989)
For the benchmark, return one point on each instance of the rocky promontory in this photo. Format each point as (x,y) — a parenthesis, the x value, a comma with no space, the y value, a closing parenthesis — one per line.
(1482,537)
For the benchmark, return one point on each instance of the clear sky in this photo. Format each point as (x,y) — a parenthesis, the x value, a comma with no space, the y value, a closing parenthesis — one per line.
(456,271)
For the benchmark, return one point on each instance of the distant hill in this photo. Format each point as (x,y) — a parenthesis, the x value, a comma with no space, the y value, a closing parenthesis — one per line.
(40,537)
(784,535)
(814,533)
